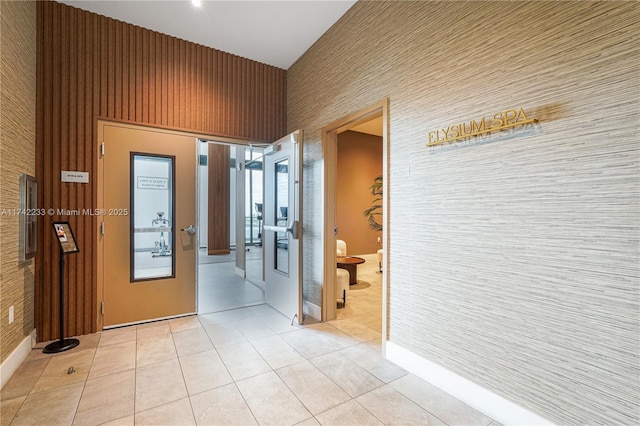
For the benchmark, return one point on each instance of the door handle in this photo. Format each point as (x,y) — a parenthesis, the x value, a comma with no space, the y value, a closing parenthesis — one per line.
(273,228)
(292,229)
(190,229)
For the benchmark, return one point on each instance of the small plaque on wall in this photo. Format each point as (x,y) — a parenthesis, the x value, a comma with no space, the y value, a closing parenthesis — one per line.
(73,176)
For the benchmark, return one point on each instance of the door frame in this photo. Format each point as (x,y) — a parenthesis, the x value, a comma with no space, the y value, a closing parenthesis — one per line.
(330,156)
(99,260)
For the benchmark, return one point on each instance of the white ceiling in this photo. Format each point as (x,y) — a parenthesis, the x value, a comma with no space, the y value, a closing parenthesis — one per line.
(272,32)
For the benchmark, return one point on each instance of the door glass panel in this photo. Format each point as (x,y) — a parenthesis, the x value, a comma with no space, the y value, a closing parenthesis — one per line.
(152,216)
(282,205)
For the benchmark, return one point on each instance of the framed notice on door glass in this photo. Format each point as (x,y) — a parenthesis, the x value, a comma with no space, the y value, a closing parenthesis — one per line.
(65,237)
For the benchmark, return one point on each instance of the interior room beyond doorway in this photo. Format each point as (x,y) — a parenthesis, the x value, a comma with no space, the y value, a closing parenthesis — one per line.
(358,203)
(230,255)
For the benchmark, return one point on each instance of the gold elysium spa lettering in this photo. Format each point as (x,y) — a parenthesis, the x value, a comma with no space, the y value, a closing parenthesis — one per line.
(501,120)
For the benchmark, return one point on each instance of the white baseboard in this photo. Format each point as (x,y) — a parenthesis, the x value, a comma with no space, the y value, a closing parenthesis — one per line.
(312,310)
(13,361)
(476,396)
(241,272)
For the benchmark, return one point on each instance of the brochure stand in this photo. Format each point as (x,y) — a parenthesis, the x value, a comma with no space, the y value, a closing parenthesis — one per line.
(68,245)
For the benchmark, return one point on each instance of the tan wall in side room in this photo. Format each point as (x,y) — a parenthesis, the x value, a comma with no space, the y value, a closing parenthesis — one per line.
(359,163)
(17,155)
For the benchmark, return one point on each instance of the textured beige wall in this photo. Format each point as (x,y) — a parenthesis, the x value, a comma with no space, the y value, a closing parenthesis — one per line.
(519,268)
(359,163)
(17,155)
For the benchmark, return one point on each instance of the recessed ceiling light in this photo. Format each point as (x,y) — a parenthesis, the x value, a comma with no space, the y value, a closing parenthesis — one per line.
(196,3)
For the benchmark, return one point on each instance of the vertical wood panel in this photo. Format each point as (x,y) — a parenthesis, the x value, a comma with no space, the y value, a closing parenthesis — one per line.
(124,58)
(117,64)
(109,66)
(91,66)
(132,73)
(55,164)
(71,154)
(38,294)
(169,87)
(138,83)
(157,90)
(78,52)
(219,220)
(145,72)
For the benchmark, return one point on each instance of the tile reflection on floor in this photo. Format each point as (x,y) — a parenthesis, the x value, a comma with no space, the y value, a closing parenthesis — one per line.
(244,366)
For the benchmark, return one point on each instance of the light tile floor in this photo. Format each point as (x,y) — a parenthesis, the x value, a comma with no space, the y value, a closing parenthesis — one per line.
(362,314)
(238,367)
(220,288)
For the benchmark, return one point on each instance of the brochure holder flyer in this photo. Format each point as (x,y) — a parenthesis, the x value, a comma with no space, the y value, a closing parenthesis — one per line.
(68,245)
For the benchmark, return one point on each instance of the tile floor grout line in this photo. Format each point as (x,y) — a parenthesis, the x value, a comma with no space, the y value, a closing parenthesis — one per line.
(219,356)
(273,370)
(28,393)
(245,401)
(357,402)
(310,360)
(184,379)
(263,358)
(416,402)
(193,414)
(348,359)
(86,379)
(369,411)
(291,390)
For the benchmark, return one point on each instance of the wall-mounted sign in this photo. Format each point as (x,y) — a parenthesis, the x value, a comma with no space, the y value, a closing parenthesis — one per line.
(148,182)
(499,121)
(76,177)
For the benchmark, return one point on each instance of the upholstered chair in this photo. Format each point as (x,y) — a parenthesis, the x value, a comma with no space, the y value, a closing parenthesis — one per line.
(342,286)
(342,276)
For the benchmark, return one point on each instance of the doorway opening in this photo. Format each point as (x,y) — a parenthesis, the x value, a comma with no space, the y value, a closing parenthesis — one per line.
(370,289)
(230,218)
(148,266)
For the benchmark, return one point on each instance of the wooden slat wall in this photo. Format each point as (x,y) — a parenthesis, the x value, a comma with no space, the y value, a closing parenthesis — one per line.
(219,200)
(91,66)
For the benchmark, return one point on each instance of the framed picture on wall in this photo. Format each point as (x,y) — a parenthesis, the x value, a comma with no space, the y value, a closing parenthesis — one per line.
(65,237)
(28,240)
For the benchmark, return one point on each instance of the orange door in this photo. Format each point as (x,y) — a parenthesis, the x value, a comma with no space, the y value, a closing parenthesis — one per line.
(147,215)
